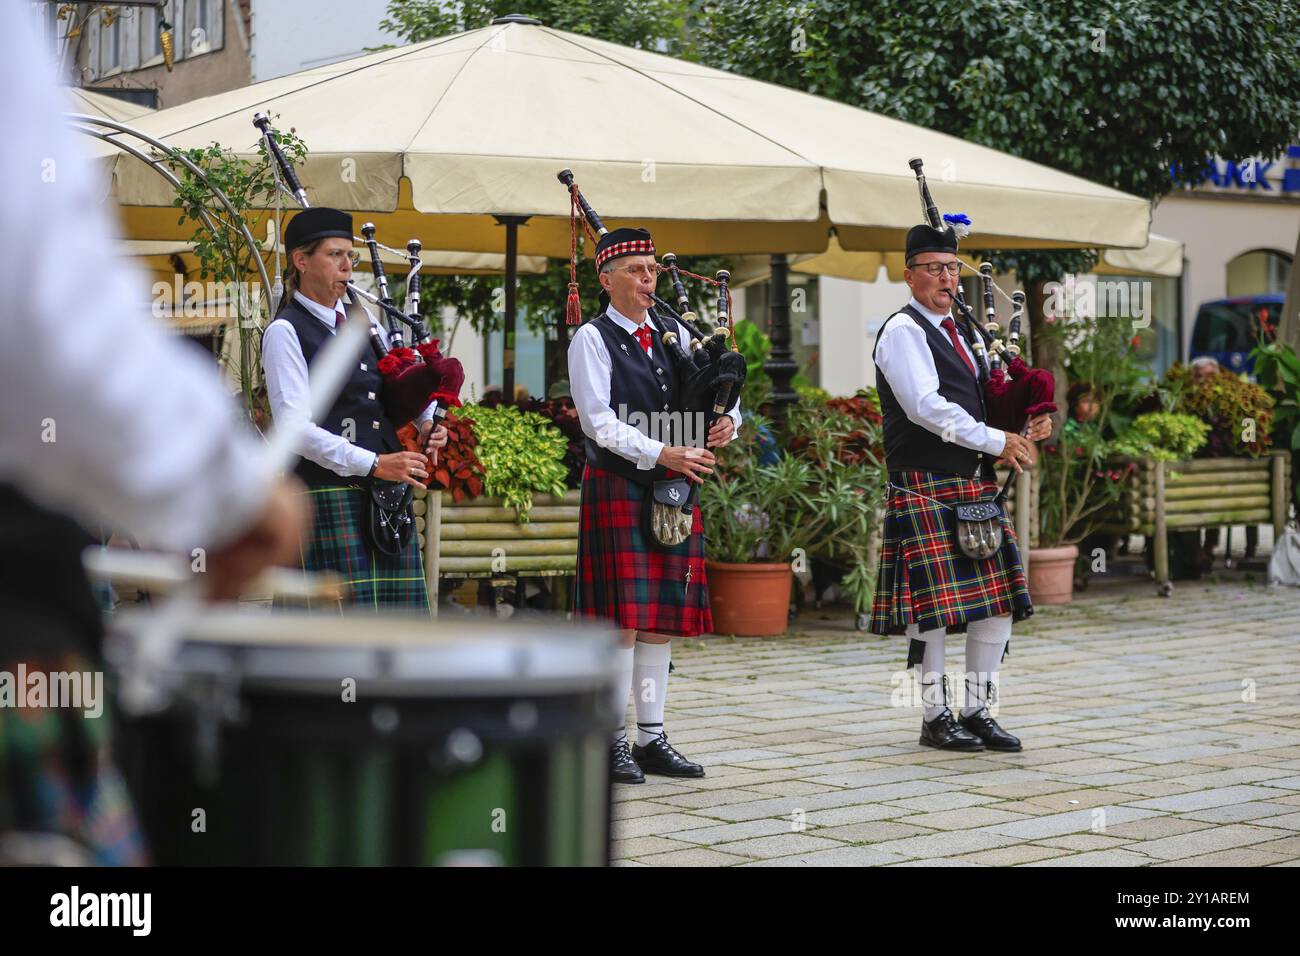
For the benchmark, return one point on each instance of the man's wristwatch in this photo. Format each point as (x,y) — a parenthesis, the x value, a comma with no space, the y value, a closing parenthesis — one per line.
(374,466)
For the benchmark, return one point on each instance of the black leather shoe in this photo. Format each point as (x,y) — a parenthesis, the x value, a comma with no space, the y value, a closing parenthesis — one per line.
(944,734)
(622,768)
(659,757)
(983,726)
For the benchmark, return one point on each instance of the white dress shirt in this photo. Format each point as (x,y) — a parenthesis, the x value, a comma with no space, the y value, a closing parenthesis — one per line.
(590,373)
(903,357)
(287,391)
(103,415)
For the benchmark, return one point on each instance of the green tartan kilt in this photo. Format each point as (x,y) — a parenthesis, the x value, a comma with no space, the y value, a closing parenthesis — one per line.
(338,543)
(56,774)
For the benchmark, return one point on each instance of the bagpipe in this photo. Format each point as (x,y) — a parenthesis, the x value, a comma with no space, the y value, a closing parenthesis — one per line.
(708,372)
(1013,392)
(417,376)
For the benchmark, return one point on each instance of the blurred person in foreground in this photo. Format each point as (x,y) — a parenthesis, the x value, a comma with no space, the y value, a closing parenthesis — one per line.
(112,424)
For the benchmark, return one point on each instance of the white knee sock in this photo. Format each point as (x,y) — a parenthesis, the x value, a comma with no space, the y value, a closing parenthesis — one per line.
(649,688)
(985,642)
(931,669)
(621,690)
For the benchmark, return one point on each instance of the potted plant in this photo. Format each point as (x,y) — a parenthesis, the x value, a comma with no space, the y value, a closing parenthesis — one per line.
(819,499)
(748,510)
(1079,479)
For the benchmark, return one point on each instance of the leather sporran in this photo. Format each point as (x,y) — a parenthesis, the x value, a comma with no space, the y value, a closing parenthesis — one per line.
(388,516)
(665,523)
(979,529)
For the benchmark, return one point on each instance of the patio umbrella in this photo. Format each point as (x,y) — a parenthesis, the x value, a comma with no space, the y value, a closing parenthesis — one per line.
(748,167)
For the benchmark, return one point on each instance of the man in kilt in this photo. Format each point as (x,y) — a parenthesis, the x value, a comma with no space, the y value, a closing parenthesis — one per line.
(355,443)
(620,372)
(939,453)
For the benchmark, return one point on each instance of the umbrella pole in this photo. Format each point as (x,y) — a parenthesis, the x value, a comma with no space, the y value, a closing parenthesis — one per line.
(780,365)
(512,224)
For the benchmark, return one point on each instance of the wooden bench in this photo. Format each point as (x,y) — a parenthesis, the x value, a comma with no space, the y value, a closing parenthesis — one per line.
(1202,493)
(483,539)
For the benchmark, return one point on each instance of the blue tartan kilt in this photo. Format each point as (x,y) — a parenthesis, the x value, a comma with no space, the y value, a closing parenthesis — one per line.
(924,578)
(338,543)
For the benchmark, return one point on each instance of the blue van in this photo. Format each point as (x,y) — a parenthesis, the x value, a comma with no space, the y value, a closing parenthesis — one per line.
(1228,329)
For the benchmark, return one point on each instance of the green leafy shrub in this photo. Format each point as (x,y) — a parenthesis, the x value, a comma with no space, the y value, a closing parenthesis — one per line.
(521,453)
(1163,436)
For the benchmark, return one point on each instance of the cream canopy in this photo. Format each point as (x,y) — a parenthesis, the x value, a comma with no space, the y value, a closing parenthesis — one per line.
(436,139)
(1161,256)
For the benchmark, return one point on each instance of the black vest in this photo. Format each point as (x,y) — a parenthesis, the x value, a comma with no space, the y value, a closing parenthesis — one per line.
(912,447)
(642,389)
(358,403)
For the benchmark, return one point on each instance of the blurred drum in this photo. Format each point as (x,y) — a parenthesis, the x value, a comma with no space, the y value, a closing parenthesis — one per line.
(291,739)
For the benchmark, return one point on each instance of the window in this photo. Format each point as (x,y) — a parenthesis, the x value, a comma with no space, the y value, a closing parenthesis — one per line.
(110,47)
(203,26)
(150,43)
(1260,272)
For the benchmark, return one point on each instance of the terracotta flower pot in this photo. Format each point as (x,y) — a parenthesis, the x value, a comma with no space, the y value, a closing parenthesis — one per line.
(749,600)
(1051,574)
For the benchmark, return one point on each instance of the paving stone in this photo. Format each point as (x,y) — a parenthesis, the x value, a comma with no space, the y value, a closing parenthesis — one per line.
(696,856)
(1241,856)
(663,824)
(1085,841)
(953,800)
(1209,840)
(1153,828)
(643,846)
(1074,799)
(953,843)
(1203,799)
(839,856)
(1076,821)
(1239,812)
(1015,855)
(1116,856)
(872,832)
(784,844)
(964,818)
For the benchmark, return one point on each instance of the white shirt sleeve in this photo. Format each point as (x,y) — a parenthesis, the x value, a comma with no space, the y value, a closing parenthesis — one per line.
(590,369)
(288,392)
(105,418)
(903,358)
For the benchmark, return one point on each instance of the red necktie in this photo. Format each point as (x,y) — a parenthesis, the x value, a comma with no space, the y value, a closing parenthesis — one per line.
(642,334)
(951,328)
(339,319)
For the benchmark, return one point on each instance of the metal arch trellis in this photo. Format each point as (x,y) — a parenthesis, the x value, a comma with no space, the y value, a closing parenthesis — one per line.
(86,124)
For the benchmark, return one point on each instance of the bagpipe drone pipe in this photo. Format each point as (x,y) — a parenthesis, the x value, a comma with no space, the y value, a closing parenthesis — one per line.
(415,376)
(1013,391)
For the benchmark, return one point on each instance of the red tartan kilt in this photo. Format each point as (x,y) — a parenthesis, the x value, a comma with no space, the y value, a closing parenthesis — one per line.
(924,578)
(624,578)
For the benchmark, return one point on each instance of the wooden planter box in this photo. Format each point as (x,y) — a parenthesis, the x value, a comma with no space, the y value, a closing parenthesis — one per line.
(1202,493)
(483,538)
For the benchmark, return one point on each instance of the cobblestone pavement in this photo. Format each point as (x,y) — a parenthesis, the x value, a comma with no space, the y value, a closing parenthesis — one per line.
(1157,732)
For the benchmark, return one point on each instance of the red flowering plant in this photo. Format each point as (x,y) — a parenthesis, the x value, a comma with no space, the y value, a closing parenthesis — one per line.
(458,469)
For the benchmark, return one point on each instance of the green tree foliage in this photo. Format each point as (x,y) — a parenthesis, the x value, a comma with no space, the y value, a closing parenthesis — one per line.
(659,25)
(1115,91)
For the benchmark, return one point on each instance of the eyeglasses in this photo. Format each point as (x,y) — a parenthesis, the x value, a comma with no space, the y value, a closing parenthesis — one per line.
(651,270)
(939,268)
(336,256)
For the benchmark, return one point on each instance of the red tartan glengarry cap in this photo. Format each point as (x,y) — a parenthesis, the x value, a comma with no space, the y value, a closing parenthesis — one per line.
(623,242)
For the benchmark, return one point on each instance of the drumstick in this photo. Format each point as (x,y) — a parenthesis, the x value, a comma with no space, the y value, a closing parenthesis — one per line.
(157,571)
(160,632)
